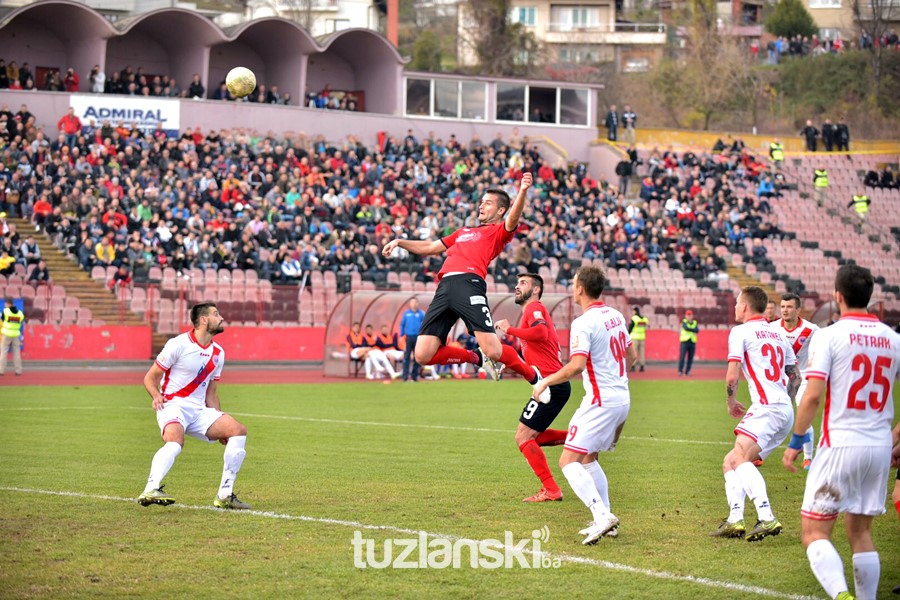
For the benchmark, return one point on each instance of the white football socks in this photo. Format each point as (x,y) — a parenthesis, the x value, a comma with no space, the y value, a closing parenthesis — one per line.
(866,573)
(583,486)
(755,487)
(827,566)
(600,481)
(162,462)
(234,458)
(735,495)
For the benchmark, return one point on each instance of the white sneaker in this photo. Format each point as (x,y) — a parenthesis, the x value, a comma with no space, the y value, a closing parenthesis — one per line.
(612,533)
(370,376)
(544,398)
(600,528)
(491,368)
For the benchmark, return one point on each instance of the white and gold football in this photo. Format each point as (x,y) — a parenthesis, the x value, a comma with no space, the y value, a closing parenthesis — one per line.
(240,82)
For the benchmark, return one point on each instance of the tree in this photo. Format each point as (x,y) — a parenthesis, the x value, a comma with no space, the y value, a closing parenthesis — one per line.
(427,52)
(875,18)
(791,18)
(501,47)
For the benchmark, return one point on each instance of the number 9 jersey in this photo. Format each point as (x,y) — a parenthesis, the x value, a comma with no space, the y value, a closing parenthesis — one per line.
(600,335)
(858,358)
(763,354)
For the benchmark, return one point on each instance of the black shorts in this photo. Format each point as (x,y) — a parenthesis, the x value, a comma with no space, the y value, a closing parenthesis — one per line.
(458,297)
(540,416)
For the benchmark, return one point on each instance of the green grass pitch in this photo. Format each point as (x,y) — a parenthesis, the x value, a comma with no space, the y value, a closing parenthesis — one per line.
(436,457)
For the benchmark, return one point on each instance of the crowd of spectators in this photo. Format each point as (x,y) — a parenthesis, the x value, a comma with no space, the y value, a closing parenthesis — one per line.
(238,199)
(782,47)
(884,179)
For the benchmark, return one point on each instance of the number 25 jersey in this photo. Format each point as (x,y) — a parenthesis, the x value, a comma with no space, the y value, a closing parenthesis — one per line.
(858,358)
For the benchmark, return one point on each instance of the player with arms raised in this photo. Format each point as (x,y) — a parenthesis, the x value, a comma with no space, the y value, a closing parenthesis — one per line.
(184,386)
(770,368)
(462,291)
(540,346)
(854,363)
(602,352)
(798,332)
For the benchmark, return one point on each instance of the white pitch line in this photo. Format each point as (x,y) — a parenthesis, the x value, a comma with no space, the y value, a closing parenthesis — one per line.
(30,408)
(568,558)
(454,428)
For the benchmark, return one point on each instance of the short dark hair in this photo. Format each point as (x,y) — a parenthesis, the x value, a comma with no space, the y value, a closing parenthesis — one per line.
(592,279)
(855,283)
(503,200)
(537,279)
(772,302)
(756,297)
(791,297)
(200,310)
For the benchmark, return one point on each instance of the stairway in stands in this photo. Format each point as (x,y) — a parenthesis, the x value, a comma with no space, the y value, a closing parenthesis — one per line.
(67,273)
(738,273)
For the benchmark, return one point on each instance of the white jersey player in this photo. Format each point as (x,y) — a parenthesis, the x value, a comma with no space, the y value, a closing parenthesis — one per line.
(183,383)
(769,366)
(856,360)
(798,332)
(601,350)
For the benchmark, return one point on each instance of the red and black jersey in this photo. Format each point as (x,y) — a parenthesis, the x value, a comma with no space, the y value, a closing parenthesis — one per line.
(542,350)
(471,249)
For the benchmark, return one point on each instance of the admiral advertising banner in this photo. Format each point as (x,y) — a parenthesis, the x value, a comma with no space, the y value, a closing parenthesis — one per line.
(145,112)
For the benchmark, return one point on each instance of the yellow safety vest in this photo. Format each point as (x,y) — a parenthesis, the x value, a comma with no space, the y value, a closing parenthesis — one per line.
(639,331)
(688,336)
(861,204)
(777,151)
(12,323)
(821,178)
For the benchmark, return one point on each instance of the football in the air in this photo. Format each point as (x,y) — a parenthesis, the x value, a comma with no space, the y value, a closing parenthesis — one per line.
(240,82)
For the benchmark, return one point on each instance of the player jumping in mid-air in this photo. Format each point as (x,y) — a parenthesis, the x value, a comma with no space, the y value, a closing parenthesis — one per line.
(770,368)
(602,352)
(854,363)
(798,332)
(462,292)
(540,346)
(184,385)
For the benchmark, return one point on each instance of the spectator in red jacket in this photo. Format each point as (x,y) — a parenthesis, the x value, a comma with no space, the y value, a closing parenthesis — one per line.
(71,80)
(70,125)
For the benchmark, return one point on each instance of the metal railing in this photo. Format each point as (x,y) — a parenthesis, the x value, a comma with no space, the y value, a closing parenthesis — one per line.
(619,27)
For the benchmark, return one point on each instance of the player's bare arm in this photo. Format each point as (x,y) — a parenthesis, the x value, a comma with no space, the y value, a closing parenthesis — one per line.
(631,356)
(502,325)
(518,205)
(573,369)
(794,379)
(732,376)
(151,384)
(806,412)
(420,247)
(212,395)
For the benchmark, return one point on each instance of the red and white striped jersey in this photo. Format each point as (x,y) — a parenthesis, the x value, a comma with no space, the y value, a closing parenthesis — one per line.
(189,367)
(763,354)
(858,358)
(798,338)
(600,334)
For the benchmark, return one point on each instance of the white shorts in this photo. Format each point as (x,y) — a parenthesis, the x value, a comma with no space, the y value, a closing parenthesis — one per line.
(593,428)
(849,479)
(356,353)
(196,420)
(768,425)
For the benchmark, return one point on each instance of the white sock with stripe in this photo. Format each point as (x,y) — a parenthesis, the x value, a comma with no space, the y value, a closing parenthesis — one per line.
(827,566)
(866,573)
(755,486)
(161,463)
(234,458)
(600,481)
(808,446)
(735,495)
(583,486)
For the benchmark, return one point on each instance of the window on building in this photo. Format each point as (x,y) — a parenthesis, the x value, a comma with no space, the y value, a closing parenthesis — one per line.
(569,18)
(473,100)
(525,15)
(446,98)
(573,107)
(418,97)
(541,105)
(510,102)
(824,3)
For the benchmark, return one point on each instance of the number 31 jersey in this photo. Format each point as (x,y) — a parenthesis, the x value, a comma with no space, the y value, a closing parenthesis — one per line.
(763,354)
(858,358)
(601,336)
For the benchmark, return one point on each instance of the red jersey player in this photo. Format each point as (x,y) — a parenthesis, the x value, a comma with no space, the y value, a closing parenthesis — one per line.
(853,363)
(462,291)
(541,348)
